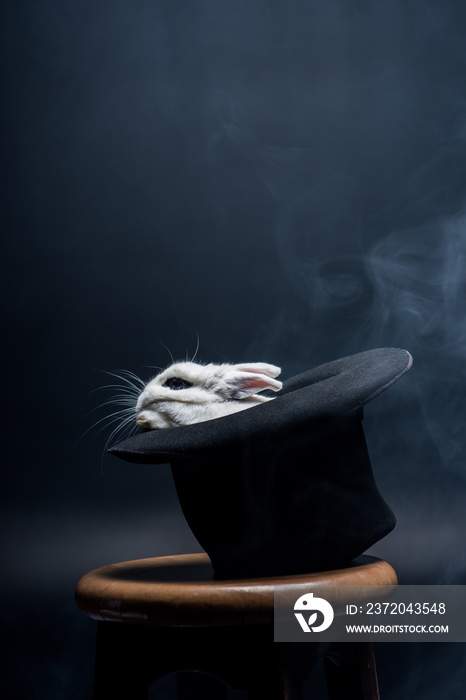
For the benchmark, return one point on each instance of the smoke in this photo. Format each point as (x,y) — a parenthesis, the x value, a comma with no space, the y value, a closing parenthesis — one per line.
(420,286)
(355,280)
(419,289)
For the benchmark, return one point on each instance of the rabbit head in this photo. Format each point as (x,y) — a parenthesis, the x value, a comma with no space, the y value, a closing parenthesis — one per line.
(188,393)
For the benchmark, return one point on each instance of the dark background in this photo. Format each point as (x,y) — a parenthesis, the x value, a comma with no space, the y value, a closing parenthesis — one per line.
(285,181)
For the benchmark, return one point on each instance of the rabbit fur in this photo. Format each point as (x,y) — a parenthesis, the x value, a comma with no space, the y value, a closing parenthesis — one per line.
(187,392)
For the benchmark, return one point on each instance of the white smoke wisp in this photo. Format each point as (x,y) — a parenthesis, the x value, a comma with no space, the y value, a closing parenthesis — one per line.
(419,282)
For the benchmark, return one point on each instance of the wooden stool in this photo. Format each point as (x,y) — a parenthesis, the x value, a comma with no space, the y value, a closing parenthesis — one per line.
(168,614)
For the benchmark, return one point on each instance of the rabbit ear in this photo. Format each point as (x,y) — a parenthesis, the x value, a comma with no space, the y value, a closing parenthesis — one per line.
(259,368)
(245,380)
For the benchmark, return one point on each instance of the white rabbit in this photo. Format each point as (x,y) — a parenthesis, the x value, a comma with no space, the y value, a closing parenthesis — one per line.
(188,393)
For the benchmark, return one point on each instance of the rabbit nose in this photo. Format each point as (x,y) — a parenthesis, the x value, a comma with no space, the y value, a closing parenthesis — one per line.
(143,422)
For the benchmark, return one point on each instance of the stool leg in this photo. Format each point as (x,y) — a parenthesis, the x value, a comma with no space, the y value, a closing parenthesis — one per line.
(353,674)
(368,670)
(276,677)
(191,685)
(115,675)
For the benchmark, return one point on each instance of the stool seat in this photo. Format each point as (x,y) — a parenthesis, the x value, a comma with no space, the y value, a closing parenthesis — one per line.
(181,590)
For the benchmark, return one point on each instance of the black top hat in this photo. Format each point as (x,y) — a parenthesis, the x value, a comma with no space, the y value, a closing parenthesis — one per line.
(286,486)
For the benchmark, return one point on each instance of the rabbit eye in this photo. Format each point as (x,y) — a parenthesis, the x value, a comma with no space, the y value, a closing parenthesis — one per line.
(176,383)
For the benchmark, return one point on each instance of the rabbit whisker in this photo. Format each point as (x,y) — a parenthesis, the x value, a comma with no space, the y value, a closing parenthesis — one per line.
(169,351)
(197,349)
(125,379)
(124,425)
(132,375)
(117,415)
(115,401)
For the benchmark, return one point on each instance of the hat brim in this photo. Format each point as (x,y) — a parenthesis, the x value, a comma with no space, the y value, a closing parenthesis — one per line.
(330,390)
